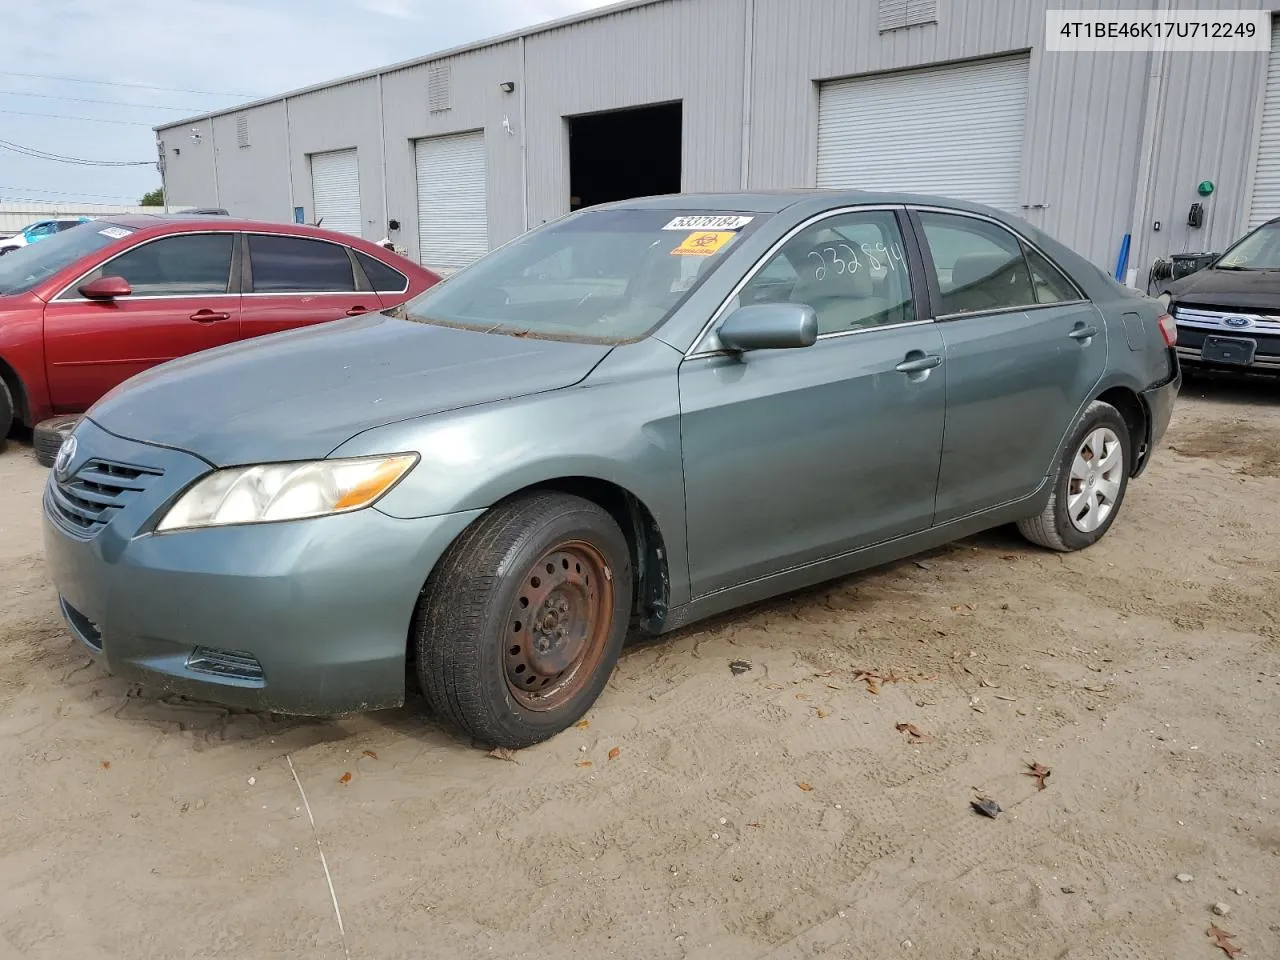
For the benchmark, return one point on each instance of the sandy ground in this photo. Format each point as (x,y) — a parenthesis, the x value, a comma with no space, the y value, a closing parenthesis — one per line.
(776,814)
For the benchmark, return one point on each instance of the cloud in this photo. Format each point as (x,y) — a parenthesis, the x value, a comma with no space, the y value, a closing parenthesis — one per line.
(238,49)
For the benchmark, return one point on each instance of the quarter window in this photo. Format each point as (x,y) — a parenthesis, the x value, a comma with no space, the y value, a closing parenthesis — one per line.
(850,268)
(185,265)
(299,265)
(1050,284)
(978,265)
(383,278)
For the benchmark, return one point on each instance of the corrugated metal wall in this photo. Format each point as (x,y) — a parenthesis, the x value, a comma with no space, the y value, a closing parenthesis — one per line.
(476,102)
(686,50)
(338,118)
(254,180)
(1080,164)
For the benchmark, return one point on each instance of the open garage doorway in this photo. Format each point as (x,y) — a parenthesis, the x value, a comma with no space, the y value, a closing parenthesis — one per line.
(623,154)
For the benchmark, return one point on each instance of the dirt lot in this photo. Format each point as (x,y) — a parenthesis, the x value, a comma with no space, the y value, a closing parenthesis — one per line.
(775,814)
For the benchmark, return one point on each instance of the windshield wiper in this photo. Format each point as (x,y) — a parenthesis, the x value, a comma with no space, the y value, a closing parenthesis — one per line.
(1235,266)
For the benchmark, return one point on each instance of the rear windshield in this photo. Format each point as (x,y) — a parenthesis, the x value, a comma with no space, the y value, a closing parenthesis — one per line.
(602,276)
(22,269)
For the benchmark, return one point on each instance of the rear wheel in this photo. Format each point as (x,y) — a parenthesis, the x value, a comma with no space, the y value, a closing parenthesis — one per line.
(521,623)
(1090,484)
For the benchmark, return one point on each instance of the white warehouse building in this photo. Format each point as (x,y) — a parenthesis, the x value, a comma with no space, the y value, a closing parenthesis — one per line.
(457,152)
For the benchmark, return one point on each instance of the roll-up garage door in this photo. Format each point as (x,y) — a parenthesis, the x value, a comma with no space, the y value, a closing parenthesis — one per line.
(335,191)
(1265,202)
(453,221)
(952,131)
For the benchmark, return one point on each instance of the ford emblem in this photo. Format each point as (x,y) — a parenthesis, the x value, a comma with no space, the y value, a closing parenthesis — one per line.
(1237,321)
(66,454)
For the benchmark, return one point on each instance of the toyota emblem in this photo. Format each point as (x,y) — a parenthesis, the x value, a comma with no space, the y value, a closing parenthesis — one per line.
(66,454)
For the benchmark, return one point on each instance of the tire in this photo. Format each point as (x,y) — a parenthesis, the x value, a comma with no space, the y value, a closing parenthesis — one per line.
(1056,528)
(481,664)
(48,435)
(7,413)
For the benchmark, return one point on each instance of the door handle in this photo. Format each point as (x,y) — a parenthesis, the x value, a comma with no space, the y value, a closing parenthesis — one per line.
(1083,333)
(919,364)
(356,311)
(209,316)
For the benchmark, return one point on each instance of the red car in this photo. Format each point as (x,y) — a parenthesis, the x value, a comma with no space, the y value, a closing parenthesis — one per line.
(86,309)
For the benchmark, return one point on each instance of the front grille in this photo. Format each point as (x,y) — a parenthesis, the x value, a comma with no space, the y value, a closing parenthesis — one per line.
(86,501)
(1250,322)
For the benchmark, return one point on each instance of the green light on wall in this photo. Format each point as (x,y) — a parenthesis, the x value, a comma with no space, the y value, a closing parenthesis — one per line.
(1205,188)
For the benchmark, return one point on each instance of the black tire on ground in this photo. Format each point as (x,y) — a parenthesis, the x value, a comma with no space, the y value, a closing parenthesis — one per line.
(7,410)
(48,436)
(476,651)
(1055,527)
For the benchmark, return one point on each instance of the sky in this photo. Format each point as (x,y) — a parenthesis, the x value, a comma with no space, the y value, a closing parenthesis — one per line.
(205,55)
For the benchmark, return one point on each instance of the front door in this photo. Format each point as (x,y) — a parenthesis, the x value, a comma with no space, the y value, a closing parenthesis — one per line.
(1024,353)
(297,281)
(183,300)
(795,456)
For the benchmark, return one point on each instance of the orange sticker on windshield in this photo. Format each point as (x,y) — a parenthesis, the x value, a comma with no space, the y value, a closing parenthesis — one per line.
(703,243)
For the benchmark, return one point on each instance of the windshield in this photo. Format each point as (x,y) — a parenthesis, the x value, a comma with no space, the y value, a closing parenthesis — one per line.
(1260,250)
(604,276)
(23,268)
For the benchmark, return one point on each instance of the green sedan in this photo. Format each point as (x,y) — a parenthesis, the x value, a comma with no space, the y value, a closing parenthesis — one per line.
(618,424)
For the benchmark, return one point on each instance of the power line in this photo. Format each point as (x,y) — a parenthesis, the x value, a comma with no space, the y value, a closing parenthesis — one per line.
(117,83)
(63,116)
(61,193)
(115,103)
(45,155)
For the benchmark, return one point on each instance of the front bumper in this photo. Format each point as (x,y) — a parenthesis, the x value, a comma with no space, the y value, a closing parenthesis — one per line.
(305,617)
(1159,401)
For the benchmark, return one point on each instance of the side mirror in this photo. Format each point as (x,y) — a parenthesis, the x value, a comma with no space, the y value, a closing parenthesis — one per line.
(105,288)
(769,326)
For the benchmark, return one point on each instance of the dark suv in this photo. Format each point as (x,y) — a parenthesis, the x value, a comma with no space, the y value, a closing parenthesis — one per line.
(1229,313)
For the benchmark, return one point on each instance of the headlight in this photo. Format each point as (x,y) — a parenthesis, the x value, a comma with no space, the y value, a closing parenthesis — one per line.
(1165,299)
(286,491)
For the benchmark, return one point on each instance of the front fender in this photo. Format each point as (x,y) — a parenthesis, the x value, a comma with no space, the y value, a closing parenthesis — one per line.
(621,426)
(22,350)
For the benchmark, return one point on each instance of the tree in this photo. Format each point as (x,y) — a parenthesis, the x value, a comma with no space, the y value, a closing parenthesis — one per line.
(152,198)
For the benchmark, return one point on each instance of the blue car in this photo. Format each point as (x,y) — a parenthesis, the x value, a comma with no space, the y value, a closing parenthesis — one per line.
(39,231)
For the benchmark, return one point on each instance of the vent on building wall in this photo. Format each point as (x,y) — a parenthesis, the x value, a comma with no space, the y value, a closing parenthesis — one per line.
(242,129)
(438,87)
(896,14)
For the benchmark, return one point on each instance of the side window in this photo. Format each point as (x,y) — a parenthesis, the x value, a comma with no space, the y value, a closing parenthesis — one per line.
(1049,283)
(978,265)
(850,268)
(187,265)
(299,265)
(384,279)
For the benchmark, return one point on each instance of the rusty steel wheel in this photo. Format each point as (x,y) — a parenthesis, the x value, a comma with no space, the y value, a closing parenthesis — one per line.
(559,623)
(522,621)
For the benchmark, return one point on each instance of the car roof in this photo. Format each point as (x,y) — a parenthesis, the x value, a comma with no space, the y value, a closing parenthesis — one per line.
(149,221)
(775,201)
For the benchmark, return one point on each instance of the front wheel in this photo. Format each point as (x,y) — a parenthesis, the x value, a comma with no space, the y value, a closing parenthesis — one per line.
(1090,484)
(6,413)
(521,623)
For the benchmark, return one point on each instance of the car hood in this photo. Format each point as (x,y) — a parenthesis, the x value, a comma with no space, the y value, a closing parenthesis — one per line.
(300,394)
(1229,288)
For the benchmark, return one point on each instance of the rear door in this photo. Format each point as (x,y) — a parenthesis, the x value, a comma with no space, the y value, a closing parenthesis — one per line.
(293,281)
(184,299)
(1024,351)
